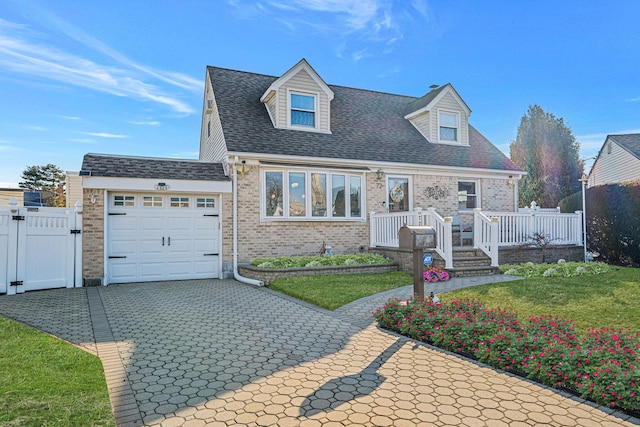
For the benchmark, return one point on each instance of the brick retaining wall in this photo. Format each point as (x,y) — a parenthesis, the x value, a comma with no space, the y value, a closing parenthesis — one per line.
(268,275)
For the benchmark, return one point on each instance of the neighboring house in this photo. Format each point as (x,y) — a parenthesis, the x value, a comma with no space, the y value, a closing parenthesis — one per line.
(8,193)
(618,160)
(310,163)
(73,188)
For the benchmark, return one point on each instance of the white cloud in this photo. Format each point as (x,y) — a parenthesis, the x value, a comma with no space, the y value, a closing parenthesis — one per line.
(106,135)
(147,123)
(21,52)
(377,21)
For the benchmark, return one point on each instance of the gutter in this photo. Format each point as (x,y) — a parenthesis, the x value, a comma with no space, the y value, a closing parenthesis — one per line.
(237,275)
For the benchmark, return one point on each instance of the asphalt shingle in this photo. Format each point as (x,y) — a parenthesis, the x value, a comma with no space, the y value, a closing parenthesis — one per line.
(365,125)
(148,167)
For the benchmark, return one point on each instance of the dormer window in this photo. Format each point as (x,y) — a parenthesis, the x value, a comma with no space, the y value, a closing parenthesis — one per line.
(448,125)
(303,110)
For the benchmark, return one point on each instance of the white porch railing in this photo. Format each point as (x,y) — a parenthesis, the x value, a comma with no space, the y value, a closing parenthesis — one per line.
(490,229)
(384,229)
(520,228)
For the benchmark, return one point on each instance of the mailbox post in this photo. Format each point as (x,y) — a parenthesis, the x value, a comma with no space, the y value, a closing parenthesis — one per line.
(417,238)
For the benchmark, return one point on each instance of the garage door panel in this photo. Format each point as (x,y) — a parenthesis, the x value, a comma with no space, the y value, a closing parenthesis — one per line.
(151,224)
(207,266)
(188,235)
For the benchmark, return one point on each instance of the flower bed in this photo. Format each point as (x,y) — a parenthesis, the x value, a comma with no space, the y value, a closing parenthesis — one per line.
(603,367)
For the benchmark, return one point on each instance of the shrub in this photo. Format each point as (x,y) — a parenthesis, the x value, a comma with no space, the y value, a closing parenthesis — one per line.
(320,260)
(603,366)
(565,269)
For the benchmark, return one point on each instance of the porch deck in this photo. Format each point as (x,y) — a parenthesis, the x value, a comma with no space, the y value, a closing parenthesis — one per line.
(489,231)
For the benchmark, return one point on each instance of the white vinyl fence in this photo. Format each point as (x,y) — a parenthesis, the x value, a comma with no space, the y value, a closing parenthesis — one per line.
(40,248)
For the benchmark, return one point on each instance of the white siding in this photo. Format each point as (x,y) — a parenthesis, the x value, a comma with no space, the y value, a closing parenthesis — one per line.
(423,124)
(302,82)
(449,103)
(212,144)
(617,166)
(73,189)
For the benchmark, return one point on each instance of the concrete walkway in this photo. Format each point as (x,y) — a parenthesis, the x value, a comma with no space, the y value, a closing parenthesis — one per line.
(218,352)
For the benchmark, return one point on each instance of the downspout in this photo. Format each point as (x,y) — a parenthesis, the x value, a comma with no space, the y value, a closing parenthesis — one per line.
(237,275)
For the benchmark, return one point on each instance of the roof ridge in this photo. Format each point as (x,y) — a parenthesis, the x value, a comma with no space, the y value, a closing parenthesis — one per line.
(148,157)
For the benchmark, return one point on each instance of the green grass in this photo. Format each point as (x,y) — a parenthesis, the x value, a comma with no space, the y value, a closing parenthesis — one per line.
(596,301)
(334,291)
(45,381)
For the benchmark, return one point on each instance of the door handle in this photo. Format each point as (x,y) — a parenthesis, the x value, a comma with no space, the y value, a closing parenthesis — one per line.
(169,238)
(163,241)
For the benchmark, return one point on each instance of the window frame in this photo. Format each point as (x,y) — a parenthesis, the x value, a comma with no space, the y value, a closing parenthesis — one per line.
(316,97)
(476,184)
(457,139)
(310,215)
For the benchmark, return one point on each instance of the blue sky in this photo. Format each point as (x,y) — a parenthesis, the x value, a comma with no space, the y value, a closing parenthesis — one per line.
(126,77)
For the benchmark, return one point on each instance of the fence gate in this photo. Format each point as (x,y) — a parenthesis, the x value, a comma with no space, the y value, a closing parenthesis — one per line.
(40,248)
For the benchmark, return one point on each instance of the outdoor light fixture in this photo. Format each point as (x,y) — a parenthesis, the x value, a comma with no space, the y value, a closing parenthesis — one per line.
(380,175)
(243,167)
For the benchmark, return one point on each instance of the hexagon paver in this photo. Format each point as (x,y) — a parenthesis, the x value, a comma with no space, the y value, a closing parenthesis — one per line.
(218,352)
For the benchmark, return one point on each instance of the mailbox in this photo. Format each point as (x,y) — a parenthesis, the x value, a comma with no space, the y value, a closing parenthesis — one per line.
(416,237)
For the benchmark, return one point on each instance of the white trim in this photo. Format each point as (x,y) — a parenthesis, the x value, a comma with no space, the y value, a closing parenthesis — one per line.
(316,106)
(388,167)
(301,65)
(458,140)
(147,184)
(448,89)
(477,194)
(285,170)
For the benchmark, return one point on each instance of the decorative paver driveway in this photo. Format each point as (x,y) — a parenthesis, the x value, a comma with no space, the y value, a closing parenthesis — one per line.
(218,352)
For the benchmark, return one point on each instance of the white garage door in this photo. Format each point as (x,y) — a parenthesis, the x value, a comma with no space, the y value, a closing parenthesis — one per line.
(162,237)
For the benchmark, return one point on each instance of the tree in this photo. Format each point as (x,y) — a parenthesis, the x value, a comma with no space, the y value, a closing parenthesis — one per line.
(547,150)
(46,179)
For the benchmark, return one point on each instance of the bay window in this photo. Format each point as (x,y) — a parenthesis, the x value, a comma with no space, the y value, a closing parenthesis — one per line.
(311,195)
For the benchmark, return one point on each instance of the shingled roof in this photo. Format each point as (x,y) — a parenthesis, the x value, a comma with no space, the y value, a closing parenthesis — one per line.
(150,167)
(365,125)
(630,142)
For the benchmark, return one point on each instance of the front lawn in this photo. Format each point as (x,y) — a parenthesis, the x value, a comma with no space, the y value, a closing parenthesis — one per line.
(591,301)
(333,291)
(45,381)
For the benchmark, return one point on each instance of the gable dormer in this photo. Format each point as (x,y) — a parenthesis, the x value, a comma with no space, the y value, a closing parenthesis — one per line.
(441,116)
(299,100)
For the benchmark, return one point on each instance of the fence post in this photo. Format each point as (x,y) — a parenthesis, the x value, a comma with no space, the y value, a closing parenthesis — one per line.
(77,251)
(372,229)
(495,226)
(477,227)
(447,245)
(418,214)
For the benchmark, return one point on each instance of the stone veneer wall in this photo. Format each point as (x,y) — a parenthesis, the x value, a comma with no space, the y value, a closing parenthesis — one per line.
(92,238)
(523,254)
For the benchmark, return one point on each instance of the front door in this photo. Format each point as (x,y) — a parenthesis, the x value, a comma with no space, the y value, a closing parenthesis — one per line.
(398,197)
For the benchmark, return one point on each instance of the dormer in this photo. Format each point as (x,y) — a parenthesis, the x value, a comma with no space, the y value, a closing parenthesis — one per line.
(441,116)
(299,100)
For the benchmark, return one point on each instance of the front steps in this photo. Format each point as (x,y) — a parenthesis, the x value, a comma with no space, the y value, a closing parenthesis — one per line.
(468,261)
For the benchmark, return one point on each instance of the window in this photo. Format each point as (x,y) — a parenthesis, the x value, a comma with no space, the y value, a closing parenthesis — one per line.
(398,194)
(273,194)
(205,202)
(122,200)
(319,195)
(152,201)
(297,194)
(316,195)
(303,110)
(179,202)
(467,195)
(609,148)
(208,128)
(448,123)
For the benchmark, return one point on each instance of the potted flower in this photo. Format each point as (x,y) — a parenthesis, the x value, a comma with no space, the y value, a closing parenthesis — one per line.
(435,274)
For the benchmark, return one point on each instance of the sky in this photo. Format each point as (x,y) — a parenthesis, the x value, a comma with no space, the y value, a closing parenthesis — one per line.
(127,76)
